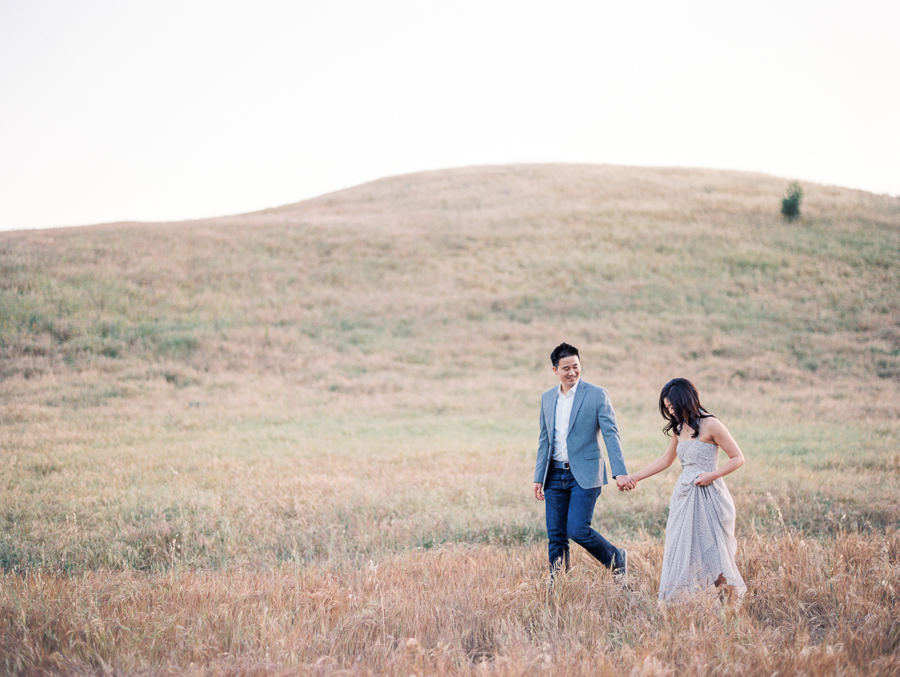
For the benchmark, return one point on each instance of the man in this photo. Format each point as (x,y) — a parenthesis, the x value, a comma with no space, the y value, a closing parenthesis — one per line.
(570,470)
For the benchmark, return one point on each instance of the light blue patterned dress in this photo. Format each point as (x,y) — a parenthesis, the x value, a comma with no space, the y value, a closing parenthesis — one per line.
(700,542)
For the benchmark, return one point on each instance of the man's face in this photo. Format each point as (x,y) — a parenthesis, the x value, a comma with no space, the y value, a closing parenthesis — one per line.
(569,370)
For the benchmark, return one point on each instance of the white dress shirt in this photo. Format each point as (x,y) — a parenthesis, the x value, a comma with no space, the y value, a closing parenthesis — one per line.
(563,413)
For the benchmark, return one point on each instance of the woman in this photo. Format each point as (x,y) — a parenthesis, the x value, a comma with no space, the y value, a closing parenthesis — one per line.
(700,543)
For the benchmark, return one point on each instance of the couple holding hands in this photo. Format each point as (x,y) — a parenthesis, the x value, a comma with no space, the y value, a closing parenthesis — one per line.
(570,471)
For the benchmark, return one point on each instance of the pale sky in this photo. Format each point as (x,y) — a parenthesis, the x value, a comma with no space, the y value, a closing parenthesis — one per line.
(114,110)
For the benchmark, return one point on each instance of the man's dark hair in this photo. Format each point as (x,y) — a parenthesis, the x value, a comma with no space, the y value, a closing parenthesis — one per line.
(561,351)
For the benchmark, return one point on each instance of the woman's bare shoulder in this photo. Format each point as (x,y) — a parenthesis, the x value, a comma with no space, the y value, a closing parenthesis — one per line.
(711,428)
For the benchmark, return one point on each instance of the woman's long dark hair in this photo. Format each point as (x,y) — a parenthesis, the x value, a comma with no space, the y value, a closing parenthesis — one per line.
(685,400)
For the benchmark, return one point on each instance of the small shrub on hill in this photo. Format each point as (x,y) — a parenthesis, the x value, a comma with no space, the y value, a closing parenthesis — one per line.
(790,205)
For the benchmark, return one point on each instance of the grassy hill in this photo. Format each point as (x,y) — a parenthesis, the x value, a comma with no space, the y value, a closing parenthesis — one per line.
(352,381)
(441,271)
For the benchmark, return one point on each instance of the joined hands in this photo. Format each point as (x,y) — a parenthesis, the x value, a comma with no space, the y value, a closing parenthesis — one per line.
(625,483)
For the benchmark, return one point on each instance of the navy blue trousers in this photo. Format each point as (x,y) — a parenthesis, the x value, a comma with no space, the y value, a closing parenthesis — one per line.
(569,512)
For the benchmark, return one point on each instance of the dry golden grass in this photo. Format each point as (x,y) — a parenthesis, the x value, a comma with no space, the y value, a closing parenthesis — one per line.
(301,441)
(812,608)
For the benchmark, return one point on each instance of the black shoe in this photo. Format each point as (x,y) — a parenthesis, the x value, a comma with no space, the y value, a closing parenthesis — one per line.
(620,565)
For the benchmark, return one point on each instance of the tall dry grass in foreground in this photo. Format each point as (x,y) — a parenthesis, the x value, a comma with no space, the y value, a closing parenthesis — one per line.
(815,608)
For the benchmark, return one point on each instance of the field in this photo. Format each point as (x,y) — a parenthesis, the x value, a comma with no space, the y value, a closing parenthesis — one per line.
(301,441)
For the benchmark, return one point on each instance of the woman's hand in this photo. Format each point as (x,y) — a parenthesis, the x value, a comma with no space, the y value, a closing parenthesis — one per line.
(705,479)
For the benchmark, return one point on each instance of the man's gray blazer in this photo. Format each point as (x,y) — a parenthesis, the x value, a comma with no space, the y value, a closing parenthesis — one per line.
(592,413)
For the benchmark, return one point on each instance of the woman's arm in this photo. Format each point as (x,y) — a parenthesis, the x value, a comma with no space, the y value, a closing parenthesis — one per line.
(660,464)
(721,437)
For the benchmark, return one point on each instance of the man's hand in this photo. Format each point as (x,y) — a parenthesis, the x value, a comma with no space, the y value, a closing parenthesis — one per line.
(625,483)
(539,491)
